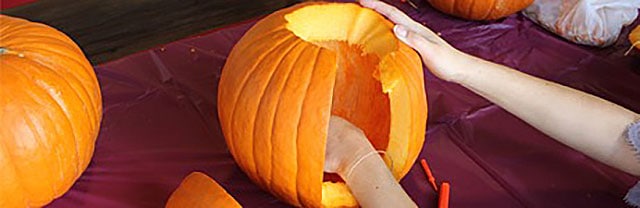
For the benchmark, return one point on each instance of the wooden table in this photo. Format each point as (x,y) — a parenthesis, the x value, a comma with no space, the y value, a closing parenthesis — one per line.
(107,30)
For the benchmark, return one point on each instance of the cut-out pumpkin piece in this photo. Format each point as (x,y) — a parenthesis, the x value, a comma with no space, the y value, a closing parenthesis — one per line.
(480,9)
(298,66)
(50,112)
(198,190)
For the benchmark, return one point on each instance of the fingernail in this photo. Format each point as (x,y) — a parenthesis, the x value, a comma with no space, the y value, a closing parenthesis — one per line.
(400,31)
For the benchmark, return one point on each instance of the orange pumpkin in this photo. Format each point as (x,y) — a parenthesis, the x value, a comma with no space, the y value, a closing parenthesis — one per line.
(197,190)
(634,37)
(480,9)
(298,66)
(50,111)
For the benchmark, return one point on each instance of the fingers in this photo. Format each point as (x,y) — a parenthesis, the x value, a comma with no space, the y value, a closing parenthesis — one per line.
(392,13)
(416,41)
(400,18)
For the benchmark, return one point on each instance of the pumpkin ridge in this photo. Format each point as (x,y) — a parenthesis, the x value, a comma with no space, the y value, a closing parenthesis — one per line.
(257,68)
(37,34)
(254,135)
(408,81)
(277,109)
(419,82)
(85,66)
(22,26)
(22,41)
(75,79)
(304,97)
(61,109)
(242,84)
(30,49)
(52,185)
(75,137)
(19,171)
(273,119)
(3,147)
(15,29)
(470,8)
(86,96)
(73,129)
(265,35)
(492,9)
(456,5)
(80,158)
(12,164)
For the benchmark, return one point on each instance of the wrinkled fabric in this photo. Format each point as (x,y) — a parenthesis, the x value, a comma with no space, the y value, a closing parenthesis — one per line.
(160,123)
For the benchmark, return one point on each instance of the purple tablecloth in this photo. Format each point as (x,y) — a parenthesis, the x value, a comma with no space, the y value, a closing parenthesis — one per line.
(160,123)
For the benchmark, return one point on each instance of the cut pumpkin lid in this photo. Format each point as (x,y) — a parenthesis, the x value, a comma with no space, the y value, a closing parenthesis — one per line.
(347,22)
(198,190)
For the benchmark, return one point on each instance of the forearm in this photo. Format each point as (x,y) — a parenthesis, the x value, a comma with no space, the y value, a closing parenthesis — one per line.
(584,122)
(350,154)
(373,185)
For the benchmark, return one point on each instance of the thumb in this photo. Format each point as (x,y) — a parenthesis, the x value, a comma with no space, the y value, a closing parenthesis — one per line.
(416,41)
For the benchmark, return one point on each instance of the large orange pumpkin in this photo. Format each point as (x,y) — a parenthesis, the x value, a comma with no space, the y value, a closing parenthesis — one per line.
(298,66)
(197,190)
(50,111)
(480,9)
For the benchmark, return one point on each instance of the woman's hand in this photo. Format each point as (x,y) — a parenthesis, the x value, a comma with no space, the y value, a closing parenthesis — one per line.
(350,154)
(442,60)
(345,144)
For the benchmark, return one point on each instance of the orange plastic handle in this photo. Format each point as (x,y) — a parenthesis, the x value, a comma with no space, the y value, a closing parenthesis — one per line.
(427,170)
(445,188)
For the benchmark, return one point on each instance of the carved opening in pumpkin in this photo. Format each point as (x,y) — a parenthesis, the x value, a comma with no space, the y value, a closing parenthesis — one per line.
(358,95)
(358,39)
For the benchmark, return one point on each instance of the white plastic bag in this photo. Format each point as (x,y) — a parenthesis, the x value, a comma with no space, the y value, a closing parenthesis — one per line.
(588,22)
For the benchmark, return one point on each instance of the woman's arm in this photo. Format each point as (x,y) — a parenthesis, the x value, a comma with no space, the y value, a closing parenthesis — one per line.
(350,154)
(582,121)
(589,124)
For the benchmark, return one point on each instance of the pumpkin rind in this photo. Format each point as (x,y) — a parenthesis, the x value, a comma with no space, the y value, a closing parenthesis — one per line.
(634,37)
(198,190)
(480,9)
(50,112)
(276,95)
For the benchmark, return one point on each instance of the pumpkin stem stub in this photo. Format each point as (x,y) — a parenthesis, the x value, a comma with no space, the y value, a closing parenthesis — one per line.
(10,52)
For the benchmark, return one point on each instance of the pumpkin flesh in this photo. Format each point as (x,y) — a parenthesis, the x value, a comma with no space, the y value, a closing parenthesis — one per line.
(275,113)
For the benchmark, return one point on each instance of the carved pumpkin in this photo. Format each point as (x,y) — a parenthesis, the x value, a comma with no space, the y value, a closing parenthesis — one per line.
(480,9)
(298,66)
(50,111)
(197,190)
